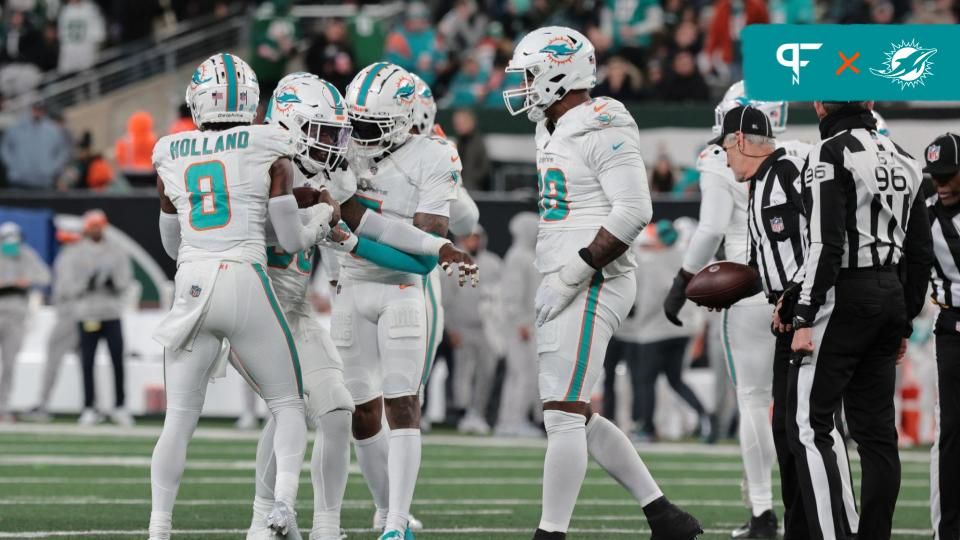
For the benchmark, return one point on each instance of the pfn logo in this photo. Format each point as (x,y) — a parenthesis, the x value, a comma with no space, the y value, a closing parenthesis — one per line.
(794,62)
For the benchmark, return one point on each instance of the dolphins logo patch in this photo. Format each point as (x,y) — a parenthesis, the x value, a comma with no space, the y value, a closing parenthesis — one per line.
(907,64)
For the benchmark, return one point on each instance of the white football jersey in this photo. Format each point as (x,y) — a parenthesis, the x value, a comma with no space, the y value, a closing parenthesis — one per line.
(422,176)
(290,272)
(220,183)
(573,206)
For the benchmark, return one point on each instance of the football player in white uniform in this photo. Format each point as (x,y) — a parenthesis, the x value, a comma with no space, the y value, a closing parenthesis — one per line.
(379,320)
(594,201)
(217,188)
(748,343)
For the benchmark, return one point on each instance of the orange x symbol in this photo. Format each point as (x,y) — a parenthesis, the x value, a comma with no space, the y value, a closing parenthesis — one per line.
(848,63)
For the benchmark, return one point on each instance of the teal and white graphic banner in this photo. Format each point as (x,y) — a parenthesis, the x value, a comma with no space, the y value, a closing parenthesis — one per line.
(827,62)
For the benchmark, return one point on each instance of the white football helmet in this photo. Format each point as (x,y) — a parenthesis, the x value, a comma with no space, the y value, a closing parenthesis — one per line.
(314,111)
(287,79)
(424,107)
(380,107)
(553,61)
(223,89)
(736,96)
(882,127)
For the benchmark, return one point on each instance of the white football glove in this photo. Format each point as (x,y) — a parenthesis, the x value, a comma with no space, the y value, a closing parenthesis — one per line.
(340,239)
(320,221)
(557,290)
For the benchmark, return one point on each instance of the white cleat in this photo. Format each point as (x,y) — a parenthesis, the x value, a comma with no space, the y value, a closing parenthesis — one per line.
(380,522)
(122,418)
(37,414)
(473,424)
(89,417)
(282,520)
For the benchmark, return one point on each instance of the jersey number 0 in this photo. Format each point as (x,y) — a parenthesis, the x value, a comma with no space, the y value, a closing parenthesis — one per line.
(553,195)
(209,196)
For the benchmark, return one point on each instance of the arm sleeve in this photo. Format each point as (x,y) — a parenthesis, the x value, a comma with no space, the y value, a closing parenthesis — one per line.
(394,259)
(400,235)
(828,185)
(464,214)
(439,184)
(917,260)
(615,154)
(170,234)
(291,234)
(716,211)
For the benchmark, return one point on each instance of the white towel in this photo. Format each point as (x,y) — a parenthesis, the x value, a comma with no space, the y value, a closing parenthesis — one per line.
(194,287)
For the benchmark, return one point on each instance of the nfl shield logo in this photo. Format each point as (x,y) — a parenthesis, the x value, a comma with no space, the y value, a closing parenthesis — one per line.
(933,152)
(776,224)
(195,291)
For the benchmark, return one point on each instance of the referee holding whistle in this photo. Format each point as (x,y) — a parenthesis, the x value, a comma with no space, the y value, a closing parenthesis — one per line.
(865,279)
(943,164)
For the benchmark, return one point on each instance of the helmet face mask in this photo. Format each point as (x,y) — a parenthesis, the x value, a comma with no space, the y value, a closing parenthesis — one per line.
(424,108)
(380,102)
(223,89)
(735,96)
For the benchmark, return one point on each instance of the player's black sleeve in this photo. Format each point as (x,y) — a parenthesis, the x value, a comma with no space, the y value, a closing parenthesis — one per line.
(917,259)
(830,194)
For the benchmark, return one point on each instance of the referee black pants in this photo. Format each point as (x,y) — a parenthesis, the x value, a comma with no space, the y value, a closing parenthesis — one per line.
(856,338)
(945,457)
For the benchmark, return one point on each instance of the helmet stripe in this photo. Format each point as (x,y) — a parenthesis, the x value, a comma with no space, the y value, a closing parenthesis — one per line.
(231,70)
(268,115)
(337,104)
(368,82)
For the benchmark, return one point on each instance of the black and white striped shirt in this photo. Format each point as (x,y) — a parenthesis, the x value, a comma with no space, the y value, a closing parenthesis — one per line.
(945,227)
(862,191)
(777,222)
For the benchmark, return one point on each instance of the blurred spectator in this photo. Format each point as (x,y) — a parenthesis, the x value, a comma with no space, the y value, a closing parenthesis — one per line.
(498,82)
(463,27)
(184,121)
(631,24)
(22,45)
(330,55)
(684,82)
(34,151)
(936,12)
(882,13)
(134,151)
(415,46)
(20,270)
(81,29)
(622,81)
(473,151)
(48,52)
(367,35)
(724,34)
(662,179)
(793,12)
(469,85)
(89,169)
(134,20)
(273,39)
(64,336)
(102,272)
(519,286)
(472,323)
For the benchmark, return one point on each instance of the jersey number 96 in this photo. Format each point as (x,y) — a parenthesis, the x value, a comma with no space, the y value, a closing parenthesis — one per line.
(553,195)
(209,196)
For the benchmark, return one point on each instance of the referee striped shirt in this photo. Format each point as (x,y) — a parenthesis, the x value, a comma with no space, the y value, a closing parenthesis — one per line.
(862,191)
(945,227)
(776,221)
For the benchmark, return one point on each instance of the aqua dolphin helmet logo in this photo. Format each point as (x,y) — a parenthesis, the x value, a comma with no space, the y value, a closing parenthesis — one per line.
(406,90)
(560,50)
(198,76)
(907,64)
(286,97)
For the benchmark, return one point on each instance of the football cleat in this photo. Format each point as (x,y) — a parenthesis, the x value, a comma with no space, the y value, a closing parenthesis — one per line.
(122,418)
(89,417)
(541,534)
(394,534)
(282,520)
(668,522)
(763,527)
(380,521)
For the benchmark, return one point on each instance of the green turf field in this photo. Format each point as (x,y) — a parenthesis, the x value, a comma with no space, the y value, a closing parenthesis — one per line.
(59,481)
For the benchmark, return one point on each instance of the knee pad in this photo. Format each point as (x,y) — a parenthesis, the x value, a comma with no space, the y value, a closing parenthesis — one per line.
(560,422)
(326,392)
(290,402)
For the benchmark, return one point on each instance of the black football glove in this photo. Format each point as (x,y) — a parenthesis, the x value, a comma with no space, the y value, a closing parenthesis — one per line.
(676,297)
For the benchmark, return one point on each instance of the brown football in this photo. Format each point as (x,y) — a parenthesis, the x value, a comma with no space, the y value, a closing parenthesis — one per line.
(722,284)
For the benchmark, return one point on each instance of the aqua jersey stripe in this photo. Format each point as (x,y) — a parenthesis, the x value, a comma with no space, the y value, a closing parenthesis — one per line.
(726,348)
(231,70)
(586,338)
(368,82)
(432,336)
(265,281)
(337,103)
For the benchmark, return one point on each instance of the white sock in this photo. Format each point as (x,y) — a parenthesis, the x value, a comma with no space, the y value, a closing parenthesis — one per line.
(613,451)
(329,467)
(372,458)
(403,468)
(266,472)
(289,445)
(160,523)
(167,463)
(756,445)
(564,467)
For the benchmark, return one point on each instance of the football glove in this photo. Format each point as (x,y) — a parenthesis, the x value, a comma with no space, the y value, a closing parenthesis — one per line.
(676,297)
(558,289)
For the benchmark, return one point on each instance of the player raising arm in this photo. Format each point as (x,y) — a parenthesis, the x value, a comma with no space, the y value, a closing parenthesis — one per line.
(594,201)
